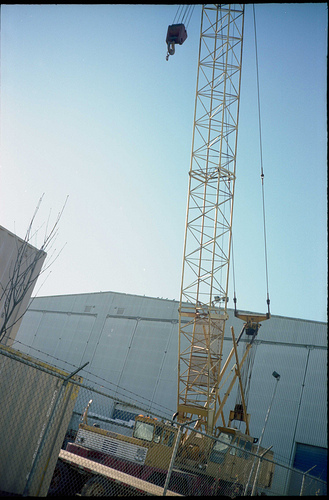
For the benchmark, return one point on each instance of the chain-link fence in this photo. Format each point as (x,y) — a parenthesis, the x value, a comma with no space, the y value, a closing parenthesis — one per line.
(37,401)
(61,437)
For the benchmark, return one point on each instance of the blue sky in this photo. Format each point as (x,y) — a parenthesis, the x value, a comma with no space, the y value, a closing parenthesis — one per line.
(90,108)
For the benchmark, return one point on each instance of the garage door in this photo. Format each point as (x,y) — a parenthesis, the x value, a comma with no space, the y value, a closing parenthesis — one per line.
(306,457)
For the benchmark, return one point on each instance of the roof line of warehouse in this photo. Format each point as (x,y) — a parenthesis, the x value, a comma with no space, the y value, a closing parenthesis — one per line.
(171,300)
(175,321)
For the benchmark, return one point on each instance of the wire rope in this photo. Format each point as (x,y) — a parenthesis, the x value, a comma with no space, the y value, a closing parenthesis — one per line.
(233,270)
(182,15)
(178,13)
(261,157)
(191,12)
(185,13)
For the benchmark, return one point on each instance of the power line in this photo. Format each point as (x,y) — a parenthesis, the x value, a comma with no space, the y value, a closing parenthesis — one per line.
(120,390)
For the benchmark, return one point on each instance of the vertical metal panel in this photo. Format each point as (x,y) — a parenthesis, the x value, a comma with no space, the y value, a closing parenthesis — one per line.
(312,419)
(289,362)
(26,335)
(146,357)
(112,345)
(74,337)
(55,336)
(294,331)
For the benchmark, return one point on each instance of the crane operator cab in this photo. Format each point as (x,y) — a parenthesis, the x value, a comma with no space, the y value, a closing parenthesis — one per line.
(176,34)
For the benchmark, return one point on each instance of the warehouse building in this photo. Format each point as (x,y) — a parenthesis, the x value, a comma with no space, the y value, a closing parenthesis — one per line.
(131,344)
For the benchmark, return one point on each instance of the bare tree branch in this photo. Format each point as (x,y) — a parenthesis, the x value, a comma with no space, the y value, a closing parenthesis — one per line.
(25,270)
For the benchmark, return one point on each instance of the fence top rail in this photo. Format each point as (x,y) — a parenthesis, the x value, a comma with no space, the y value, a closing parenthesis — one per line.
(20,357)
(113,474)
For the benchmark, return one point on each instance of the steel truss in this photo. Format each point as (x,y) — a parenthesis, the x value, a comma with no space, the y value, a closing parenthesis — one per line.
(203,300)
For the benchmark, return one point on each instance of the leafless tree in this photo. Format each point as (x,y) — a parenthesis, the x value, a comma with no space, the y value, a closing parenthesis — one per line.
(24,272)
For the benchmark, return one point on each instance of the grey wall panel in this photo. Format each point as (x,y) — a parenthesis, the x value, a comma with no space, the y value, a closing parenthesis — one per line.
(143,306)
(165,396)
(312,418)
(148,348)
(168,369)
(74,337)
(61,335)
(107,352)
(148,354)
(133,353)
(50,328)
(58,303)
(91,302)
(27,333)
(293,331)
(290,363)
(140,384)
(112,344)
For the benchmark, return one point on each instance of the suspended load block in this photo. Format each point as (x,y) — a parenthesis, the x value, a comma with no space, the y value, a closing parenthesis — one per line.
(176,34)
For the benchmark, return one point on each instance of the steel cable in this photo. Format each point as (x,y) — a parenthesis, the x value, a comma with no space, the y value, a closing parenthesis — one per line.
(261,157)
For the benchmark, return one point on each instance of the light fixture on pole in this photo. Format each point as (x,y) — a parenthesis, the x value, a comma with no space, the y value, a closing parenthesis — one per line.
(276,375)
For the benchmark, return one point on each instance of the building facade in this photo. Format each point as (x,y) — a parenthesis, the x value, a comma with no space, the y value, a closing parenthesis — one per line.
(131,344)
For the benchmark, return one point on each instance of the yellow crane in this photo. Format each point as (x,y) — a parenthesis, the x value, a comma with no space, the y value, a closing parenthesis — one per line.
(203,465)
(208,234)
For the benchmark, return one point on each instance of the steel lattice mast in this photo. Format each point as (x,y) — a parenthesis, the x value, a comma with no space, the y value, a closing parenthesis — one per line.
(205,275)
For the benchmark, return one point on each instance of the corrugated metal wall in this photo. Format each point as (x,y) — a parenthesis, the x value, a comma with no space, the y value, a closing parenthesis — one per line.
(131,342)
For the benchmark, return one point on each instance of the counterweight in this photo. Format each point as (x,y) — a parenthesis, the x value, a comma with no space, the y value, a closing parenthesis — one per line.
(204,288)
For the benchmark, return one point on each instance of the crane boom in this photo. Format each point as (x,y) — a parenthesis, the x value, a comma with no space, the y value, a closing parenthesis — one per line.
(204,287)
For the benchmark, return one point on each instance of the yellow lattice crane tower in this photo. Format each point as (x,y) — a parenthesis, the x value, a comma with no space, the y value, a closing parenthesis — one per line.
(207,246)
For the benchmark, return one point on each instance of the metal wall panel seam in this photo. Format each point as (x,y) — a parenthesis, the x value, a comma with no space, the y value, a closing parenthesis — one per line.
(126,356)
(161,368)
(51,311)
(297,417)
(140,318)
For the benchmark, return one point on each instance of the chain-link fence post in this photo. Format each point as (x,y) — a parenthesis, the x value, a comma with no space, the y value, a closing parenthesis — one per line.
(303,480)
(277,378)
(49,426)
(258,468)
(174,453)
